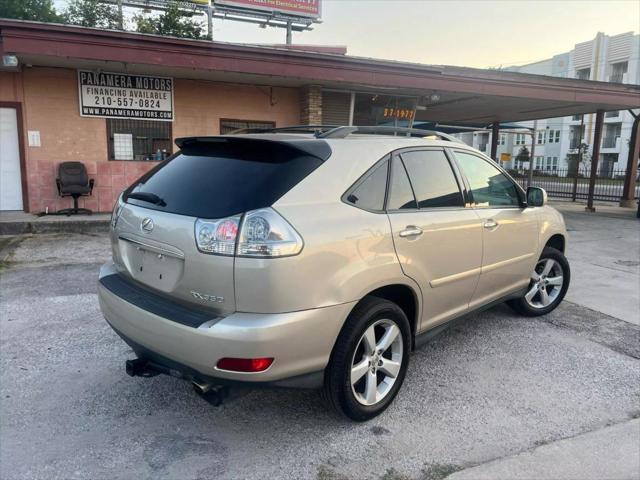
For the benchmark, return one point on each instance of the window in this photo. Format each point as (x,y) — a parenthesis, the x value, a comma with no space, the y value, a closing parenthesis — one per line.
(540,137)
(227,126)
(618,71)
(432,179)
(489,186)
(539,163)
(502,140)
(368,193)
(554,136)
(216,180)
(400,193)
(583,74)
(138,139)
(520,139)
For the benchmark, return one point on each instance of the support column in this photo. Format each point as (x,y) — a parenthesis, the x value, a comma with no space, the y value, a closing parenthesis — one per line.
(311,105)
(629,190)
(595,158)
(495,133)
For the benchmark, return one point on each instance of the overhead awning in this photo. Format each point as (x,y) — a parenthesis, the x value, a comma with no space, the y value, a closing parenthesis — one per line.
(466,96)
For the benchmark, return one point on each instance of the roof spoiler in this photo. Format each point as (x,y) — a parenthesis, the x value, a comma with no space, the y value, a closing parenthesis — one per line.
(307,146)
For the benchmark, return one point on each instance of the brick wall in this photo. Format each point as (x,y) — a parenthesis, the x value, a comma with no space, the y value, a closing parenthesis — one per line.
(311,105)
(49,99)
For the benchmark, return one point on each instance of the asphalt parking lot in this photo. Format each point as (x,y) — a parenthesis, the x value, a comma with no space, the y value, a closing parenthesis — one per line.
(496,386)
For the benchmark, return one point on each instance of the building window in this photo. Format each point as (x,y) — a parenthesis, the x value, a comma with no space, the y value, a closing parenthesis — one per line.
(554,136)
(139,140)
(583,74)
(227,125)
(618,70)
(540,137)
(502,140)
(520,139)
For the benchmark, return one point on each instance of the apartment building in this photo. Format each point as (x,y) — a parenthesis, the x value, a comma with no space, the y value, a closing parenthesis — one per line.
(557,140)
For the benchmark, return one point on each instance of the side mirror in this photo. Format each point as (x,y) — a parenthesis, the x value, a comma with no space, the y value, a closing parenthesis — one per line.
(536,197)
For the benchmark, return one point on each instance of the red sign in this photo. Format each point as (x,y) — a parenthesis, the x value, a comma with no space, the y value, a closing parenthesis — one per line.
(295,8)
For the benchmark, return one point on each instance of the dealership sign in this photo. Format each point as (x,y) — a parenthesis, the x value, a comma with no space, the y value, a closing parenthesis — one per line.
(294,8)
(119,95)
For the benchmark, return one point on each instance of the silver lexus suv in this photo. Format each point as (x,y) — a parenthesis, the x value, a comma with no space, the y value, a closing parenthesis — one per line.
(320,258)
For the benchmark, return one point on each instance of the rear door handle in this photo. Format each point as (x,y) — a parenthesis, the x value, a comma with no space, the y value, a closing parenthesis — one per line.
(411,231)
(491,224)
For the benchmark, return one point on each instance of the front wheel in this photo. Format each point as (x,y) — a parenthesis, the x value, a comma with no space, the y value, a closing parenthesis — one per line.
(547,287)
(369,360)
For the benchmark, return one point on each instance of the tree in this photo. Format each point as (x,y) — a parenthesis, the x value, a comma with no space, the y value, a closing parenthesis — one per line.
(523,156)
(92,13)
(172,22)
(38,10)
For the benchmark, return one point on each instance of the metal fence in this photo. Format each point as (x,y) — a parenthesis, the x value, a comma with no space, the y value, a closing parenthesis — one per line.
(564,184)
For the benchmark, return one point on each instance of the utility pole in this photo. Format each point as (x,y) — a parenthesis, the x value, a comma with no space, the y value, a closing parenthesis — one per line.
(120,16)
(210,22)
(574,193)
(289,32)
(533,149)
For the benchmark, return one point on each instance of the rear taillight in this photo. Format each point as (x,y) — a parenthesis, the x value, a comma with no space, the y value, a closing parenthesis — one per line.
(117,210)
(260,233)
(217,236)
(245,364)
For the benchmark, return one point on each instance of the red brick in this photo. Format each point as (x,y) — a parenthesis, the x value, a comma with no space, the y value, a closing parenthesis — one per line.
(105,205)
(104,168)
(117,168)
(92,168)
(103,180)
(119,182)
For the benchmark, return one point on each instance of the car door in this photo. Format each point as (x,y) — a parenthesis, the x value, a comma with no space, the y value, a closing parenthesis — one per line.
(510,230)
(437,235)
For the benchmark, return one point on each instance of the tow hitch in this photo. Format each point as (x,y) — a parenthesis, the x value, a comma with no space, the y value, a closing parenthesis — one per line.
(211,393)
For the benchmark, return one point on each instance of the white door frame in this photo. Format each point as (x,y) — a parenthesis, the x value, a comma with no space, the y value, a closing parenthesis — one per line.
(17,106)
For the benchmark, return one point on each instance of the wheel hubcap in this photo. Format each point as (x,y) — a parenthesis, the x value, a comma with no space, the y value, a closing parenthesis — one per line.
(546,283)
(376,362)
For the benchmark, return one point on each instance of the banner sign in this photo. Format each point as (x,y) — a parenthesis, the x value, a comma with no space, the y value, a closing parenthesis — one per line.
(294,8)
(120,95)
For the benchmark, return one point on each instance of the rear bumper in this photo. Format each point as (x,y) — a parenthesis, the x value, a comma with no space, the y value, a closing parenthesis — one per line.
(300,342)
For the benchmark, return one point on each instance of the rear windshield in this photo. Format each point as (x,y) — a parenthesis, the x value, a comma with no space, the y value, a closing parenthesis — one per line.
(215,180)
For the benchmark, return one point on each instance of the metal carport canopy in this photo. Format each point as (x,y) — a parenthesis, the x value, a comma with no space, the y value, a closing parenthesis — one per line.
(467,95)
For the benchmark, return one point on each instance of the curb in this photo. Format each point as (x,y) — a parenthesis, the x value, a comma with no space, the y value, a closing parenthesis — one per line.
(70,226)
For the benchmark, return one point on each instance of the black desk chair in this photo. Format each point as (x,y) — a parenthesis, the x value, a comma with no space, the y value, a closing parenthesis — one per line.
(73,181)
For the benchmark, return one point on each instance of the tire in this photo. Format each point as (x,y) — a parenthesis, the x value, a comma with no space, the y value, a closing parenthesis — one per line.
(544,293)
(378,317)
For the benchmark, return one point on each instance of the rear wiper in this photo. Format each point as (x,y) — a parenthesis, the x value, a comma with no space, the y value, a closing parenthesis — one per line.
(148,197)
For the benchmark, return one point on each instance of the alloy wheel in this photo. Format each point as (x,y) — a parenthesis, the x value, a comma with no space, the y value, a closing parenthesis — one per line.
(546,283)
(376,362)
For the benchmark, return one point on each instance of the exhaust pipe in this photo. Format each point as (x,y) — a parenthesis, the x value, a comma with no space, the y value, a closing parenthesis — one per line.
(212,394)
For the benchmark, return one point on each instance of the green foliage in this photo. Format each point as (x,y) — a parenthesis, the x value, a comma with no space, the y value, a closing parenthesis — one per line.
(523,155)
(92,13)
(172,22)
(37,10)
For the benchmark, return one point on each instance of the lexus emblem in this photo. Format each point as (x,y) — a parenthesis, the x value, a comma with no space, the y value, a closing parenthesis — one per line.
(147,225)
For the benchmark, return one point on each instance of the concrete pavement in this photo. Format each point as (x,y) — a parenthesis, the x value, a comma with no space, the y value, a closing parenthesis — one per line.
(500,392)
(604,253)
(610,453)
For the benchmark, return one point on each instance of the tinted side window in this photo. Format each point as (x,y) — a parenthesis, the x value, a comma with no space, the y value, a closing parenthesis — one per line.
(400,193)
(489,186)
(369,193)
(432,179)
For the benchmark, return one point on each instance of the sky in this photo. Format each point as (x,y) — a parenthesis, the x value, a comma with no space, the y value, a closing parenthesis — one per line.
(473,33)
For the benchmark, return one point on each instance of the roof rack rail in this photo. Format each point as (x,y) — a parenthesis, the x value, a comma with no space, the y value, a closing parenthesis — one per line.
(314,129)
(343,132)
